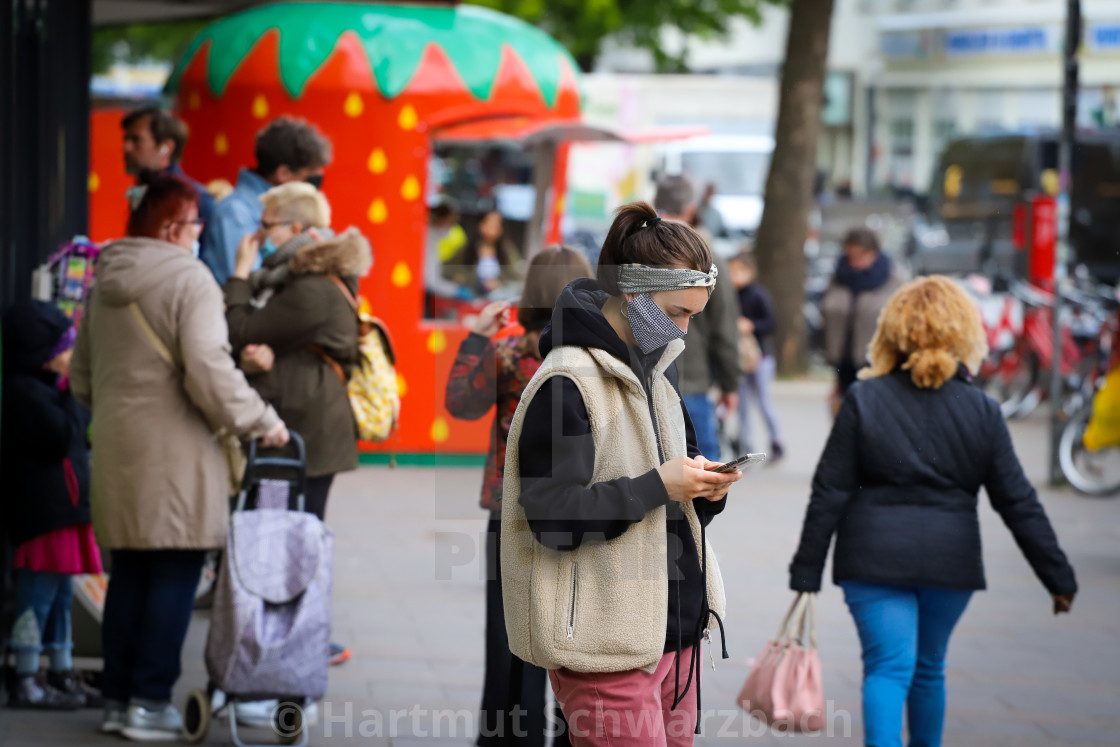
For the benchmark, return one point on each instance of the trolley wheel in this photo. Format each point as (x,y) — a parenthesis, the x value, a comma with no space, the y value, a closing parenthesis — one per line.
(196,716)
(288,722)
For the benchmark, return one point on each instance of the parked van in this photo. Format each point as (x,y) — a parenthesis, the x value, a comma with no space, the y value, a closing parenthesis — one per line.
(736,164)
(968,225)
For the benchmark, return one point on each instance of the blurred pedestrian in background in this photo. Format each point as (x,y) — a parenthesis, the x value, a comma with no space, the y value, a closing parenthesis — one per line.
(155,140)
(864,279)
(708,215)
(489,372)
(897,483)
(711,355)
(153,362)
(757,322)
(444,240)
(287,150)
(489,261)
(44,457)
(606,501)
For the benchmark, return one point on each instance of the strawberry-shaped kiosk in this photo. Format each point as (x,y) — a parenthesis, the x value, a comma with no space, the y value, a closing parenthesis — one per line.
(385,83)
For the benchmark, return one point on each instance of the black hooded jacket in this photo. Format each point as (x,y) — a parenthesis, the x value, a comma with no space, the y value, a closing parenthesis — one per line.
(44,456)
(556,455)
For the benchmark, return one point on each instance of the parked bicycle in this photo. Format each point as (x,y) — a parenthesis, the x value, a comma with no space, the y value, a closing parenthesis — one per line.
(1093,472)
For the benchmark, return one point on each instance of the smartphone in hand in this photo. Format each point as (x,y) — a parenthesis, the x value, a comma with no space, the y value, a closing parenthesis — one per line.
(738,463)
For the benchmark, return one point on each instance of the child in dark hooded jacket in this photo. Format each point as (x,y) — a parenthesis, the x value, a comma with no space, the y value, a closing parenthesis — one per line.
(44,457)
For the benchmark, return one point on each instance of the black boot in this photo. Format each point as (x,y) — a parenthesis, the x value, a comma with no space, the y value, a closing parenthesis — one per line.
(72,682)
(31,692)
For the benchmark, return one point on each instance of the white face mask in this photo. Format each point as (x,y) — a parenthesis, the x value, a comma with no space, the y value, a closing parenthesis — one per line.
(196,247)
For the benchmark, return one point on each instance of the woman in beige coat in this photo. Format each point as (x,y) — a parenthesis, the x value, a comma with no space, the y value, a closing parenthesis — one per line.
(153,363)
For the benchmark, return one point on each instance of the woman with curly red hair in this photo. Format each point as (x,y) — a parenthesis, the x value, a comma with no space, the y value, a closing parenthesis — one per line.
(898,482)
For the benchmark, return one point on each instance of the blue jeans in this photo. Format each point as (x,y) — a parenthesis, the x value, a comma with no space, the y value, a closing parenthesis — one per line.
(703,416)
(904,632)
(42,619)
(147,611)
(757,385)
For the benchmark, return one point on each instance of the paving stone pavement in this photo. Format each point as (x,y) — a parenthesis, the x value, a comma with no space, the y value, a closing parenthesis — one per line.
(409,601)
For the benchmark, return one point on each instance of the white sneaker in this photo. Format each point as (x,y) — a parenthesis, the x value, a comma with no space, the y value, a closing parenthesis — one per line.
(161,725)
(113,717)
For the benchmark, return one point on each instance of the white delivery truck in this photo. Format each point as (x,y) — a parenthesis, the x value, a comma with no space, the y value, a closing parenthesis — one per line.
(735,165)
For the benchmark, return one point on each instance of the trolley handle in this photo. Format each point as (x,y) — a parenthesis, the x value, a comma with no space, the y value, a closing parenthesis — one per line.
(297,464)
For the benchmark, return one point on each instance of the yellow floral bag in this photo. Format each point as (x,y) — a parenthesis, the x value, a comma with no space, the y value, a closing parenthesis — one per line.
(1103,430)
(373,390)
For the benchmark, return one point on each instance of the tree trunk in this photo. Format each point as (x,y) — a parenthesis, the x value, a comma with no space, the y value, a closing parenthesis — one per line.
(780,243)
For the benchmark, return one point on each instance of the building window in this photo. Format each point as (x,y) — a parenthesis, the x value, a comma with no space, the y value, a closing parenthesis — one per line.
(1039,107)
(902,152)
(943,132)
(989,111)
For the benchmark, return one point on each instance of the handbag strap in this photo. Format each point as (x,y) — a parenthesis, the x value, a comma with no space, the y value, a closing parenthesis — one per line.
(342,286)
(794,617)
(153,339)
(356,308)
(335,365)
(807,622)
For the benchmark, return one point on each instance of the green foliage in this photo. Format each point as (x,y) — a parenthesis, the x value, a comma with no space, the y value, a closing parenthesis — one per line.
(160,42)
(579,25)
(582,25)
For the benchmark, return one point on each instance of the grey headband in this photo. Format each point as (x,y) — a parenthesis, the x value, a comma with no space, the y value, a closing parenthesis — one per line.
(636,278)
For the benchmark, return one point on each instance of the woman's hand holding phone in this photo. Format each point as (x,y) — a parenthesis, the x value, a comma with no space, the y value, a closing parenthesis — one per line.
(686,479)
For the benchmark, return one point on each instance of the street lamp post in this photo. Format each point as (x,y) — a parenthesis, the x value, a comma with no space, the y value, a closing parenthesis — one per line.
(1062,251)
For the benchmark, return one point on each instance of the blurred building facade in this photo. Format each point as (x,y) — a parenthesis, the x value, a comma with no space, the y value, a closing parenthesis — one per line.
(906,76)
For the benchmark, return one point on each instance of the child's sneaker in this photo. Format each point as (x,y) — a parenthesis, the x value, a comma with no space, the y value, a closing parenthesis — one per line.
(339,655)
(72,682)
(31,692)
(153,724)
(113,717)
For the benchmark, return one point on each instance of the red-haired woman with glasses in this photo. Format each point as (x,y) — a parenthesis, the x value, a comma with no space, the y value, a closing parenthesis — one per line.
(153,363)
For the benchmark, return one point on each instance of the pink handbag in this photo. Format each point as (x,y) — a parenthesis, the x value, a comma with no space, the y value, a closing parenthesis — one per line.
(784,688)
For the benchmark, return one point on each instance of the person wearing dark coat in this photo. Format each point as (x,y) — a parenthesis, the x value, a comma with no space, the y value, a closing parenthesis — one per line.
(309,327)
(44,457)
(897,484)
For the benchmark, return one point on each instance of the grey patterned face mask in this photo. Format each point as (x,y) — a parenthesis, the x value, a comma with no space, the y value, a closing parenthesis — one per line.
(652,327)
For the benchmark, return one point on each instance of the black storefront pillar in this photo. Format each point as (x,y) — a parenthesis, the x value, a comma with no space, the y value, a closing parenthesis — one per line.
(44,133)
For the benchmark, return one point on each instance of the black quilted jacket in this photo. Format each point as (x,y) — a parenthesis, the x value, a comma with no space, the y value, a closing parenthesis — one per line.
(898,484)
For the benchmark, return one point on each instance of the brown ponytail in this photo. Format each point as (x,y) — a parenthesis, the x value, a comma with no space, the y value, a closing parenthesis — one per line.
(639,235)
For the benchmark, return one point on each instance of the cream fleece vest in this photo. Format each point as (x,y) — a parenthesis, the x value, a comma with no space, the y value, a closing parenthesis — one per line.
(602,607)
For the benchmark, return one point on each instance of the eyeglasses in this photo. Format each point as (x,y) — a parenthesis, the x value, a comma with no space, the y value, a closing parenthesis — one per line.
(193,222)
(267,225)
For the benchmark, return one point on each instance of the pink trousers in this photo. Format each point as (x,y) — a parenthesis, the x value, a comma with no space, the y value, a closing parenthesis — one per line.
(627,709)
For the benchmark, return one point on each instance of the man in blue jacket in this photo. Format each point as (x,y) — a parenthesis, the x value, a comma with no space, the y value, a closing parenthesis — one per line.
(287,150)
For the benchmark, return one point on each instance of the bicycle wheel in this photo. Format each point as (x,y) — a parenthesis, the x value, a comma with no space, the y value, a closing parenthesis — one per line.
(1012,380)
(1090,472)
